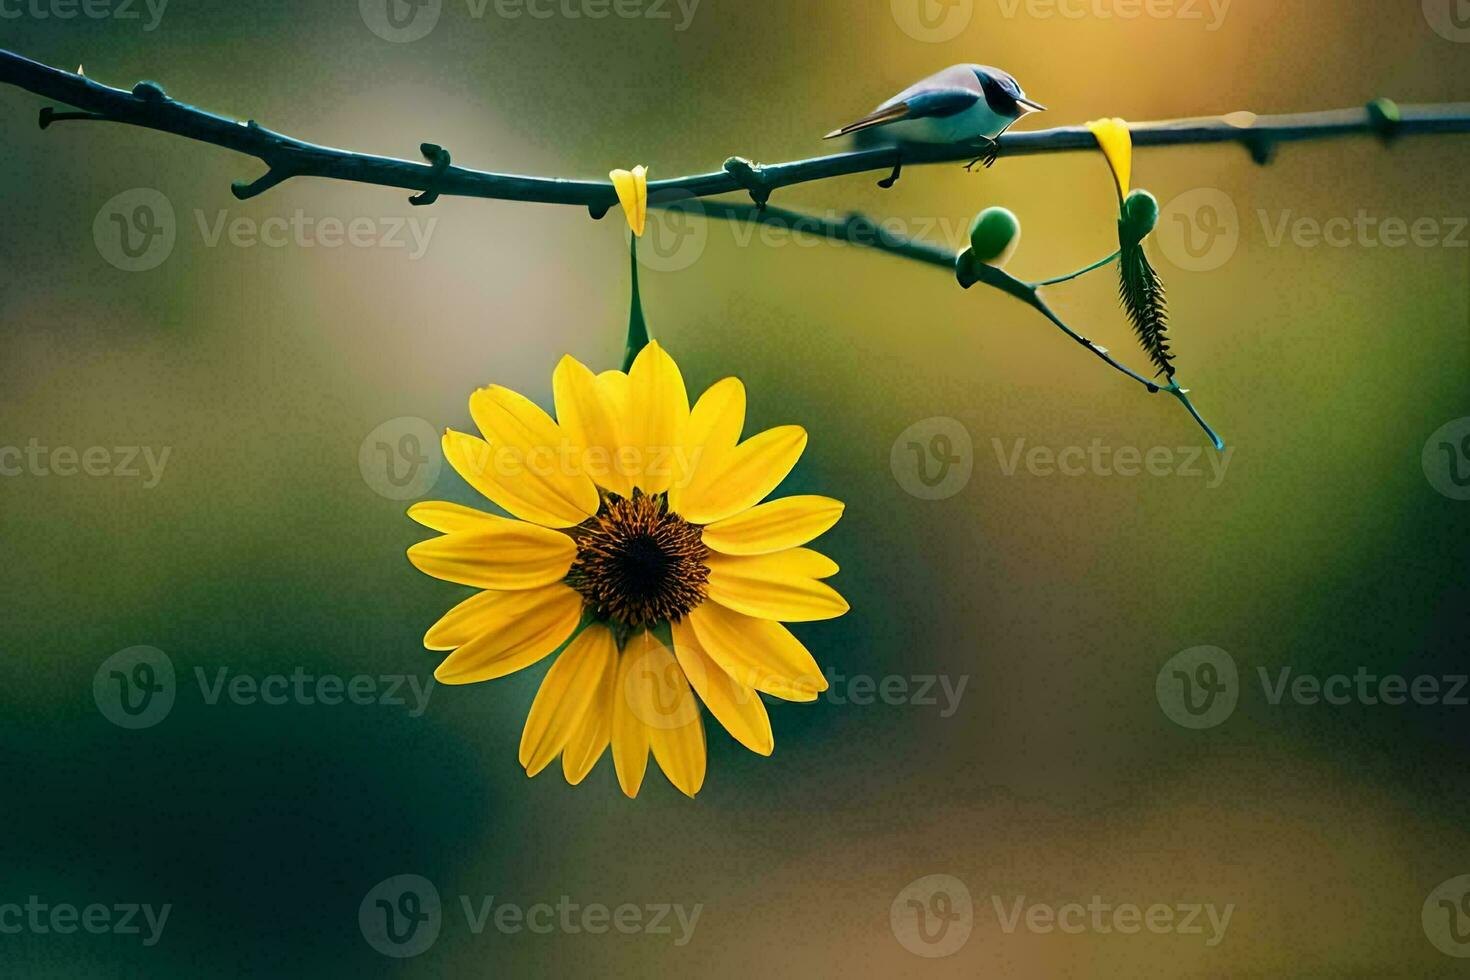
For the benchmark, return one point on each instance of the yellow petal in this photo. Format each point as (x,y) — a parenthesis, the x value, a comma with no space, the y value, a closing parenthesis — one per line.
(780,586)
(658,694)
(467,621)
(657,418)
(757,653)
(588,417)
(629,735)
(507,555)
(803,561)
(533,452)
(774,526)
(743,477)
(734,705)
(714,429)
(1116,141)
(514,630)
(681,753)
(566,695)
(441,515)
(500,478)
(593,733)
(632,189)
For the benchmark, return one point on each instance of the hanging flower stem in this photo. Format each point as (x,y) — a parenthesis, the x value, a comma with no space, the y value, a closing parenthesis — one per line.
(637,326)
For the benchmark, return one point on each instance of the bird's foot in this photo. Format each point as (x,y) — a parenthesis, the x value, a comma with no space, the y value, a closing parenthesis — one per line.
(887,182)
(991,154)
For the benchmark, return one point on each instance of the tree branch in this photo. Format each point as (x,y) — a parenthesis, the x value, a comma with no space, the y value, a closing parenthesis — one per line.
(285,157)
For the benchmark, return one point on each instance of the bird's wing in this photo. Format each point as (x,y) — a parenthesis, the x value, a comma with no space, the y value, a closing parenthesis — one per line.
(935,102)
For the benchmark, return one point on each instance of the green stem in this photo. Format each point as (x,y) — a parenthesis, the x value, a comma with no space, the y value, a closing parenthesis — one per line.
(1079,273)
(637,326)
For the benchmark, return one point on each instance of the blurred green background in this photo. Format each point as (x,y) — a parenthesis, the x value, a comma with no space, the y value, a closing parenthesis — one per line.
(265,546)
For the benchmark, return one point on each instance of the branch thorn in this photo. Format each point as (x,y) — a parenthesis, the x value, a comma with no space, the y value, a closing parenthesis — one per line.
(752,177)
(439,158)
(1386,119)
(49,115)
(244,190)
(1262,149)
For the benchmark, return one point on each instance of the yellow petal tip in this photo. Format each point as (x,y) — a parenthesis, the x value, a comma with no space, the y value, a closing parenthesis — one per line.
(1116,142)
(632,190)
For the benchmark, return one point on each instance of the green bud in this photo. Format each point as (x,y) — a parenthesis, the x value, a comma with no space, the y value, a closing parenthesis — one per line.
(1140,214)
(995,235)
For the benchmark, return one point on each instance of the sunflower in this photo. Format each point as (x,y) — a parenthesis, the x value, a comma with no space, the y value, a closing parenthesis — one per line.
(637,526)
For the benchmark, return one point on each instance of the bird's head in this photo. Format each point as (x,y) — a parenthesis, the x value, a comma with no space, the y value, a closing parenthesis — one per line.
(1003,93)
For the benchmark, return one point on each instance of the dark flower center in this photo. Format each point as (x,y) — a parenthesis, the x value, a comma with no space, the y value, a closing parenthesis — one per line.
(637,564)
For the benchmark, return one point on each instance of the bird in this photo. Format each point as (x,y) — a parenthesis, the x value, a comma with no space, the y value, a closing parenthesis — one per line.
(962,104)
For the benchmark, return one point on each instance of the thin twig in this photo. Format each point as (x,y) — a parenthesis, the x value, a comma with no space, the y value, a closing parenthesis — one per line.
(149,107)
(857,229)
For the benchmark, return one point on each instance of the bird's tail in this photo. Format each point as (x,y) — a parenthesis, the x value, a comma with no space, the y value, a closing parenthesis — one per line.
(881,117)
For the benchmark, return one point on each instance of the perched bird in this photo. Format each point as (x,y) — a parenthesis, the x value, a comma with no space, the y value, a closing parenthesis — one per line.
(961,104)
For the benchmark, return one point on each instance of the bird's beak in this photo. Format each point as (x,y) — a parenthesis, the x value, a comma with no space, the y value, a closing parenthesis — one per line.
(1028,106)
